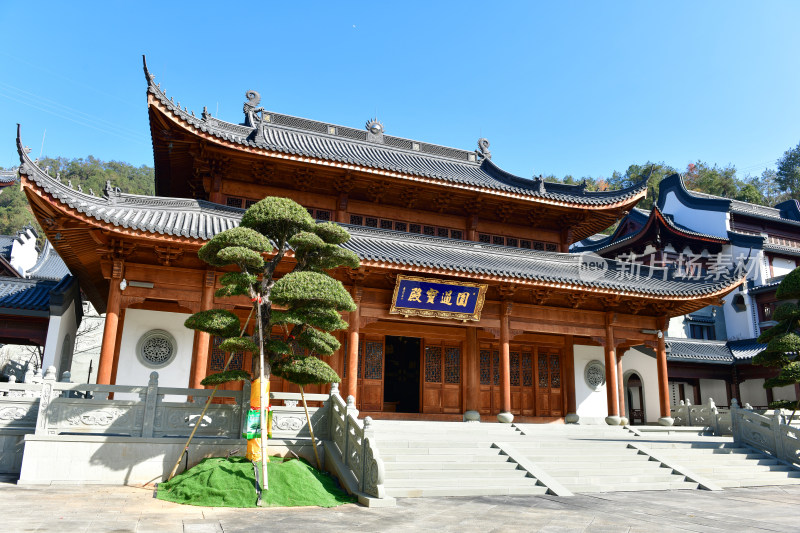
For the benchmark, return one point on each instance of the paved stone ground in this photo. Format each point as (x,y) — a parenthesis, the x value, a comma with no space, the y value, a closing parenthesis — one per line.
(99,509)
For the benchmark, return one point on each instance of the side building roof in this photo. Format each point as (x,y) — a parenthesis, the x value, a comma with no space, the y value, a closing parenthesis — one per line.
(712,352)
(49,265)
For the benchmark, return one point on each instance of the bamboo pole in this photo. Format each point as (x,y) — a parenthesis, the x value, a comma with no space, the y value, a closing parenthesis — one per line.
(262,392)
(208,403)
(310,428)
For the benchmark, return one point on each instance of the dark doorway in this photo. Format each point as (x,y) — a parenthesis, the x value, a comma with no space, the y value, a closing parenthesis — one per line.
(401,380)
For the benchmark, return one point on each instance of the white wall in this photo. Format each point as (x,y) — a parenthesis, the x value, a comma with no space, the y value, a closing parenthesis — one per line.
(592,406)
(24,253)
(753,392)
(87,346)
(714,389)
(710,223)
(646,367)
(784,393)
(57,330)
(781,266)
(130,371)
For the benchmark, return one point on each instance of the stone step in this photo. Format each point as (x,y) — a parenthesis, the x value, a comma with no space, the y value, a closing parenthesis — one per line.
(581,488)
(600,471)
(792,474)
(452,474)
(410,458)
(757,482)
(619,460)
(621,479)
(692,445)
(739,469)
(487,490)
(441,451)
(465,482)
(435,443)
(501,463)
(570,453)
(692,462)
(716,458)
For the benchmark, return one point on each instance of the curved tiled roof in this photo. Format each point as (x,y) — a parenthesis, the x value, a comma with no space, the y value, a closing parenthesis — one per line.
(49,265)
(202,220)
(720,352)
(28,294)
(308,138)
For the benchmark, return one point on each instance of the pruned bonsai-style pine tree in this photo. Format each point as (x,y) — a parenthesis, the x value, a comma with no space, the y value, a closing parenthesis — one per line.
(305,303)
(783,341)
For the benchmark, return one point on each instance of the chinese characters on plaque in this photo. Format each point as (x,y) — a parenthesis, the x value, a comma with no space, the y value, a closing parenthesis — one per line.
(438,298)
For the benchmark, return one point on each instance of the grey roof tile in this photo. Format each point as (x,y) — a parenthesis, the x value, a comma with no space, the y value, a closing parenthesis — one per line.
(17,293)
(49,265)
(698,351)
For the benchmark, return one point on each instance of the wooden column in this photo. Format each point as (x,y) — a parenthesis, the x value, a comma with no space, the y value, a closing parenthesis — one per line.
(663,377)
(569,369)
(105,366)
(505,363)
(352,344)
(202,339)
(621,381)
(611,371)
(472,367)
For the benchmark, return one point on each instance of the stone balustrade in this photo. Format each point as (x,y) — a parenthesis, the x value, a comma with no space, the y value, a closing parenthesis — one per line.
(772,434)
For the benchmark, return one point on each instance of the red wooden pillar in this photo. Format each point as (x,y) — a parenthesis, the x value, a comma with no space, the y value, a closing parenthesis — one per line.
(472,376)
(202,340)
(663,378)
(106,364)
(505,364)
(569,368)
(352,345)
(621,383)
(611,374)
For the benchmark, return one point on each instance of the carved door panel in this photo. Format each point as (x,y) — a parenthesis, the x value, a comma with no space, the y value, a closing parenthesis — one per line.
(548,383)
(527,391)
(441,384)
(516,393)
(489,381)
(371,390)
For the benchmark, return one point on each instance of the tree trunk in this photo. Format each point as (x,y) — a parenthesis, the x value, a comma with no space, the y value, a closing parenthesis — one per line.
(310,428)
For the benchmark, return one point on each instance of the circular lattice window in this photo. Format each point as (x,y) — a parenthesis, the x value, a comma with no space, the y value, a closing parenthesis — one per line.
(595,374)
(156,348)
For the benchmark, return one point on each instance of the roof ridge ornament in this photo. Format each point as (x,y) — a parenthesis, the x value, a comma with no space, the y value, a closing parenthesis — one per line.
(254,116)
(538,184)
(111,193)
(374,130)
(483,149)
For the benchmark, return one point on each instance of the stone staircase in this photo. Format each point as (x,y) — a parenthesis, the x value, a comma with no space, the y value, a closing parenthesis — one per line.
(586,459)
(469,459)
(724,462)
(449,459)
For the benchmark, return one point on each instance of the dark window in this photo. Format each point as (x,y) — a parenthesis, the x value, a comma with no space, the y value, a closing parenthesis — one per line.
(551,247)
(310,211)
(372,222)
(400,226)
(356,220)
(234,202)
(429,230)
(415,228)
(248,203)
(525,244)
(442,232)
(698,331)
(456,234)
(510,241)
(482,237)
(386,224)
(496,239)
(323,215)
(538,245)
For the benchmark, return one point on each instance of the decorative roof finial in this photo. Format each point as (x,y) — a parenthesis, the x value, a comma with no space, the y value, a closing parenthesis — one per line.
(251,110)
(374,126)
(483,148)
(206,115)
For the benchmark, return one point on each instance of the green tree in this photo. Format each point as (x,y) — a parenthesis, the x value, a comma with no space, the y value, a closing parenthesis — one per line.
(783,341)
(305,303)
(652,172)
(788,174)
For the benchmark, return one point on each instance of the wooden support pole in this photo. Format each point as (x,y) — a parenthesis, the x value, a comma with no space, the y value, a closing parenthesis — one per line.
(472,367)
(611,376)
(352,345)
(505,364)
(203,339)
(105,366)
(663,378)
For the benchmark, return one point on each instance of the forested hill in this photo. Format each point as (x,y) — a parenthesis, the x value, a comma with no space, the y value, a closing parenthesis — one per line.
(89,173)
(768,188)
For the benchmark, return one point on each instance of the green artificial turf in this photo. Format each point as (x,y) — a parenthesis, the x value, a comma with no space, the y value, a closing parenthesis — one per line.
(219,482)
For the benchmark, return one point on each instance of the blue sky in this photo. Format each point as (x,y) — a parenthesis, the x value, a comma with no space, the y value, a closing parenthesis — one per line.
(581,88)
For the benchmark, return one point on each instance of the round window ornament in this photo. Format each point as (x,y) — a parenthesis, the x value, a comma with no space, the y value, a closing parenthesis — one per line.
(156,348)
(595,374)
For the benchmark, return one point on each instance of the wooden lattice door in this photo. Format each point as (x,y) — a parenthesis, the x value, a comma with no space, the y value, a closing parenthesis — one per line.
(371,384)
(441,384)
(489,381)
(548,382)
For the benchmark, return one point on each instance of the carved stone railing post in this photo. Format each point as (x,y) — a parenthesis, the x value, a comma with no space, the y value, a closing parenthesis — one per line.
(369,431)
(150,406)
(735,422)
(349,410)
(777,434)
(45,398)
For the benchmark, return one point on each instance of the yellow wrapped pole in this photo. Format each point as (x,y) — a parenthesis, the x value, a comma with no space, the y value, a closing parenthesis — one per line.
(254,445)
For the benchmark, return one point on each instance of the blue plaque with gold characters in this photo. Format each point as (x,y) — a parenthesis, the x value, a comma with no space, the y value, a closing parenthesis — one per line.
(459,300)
